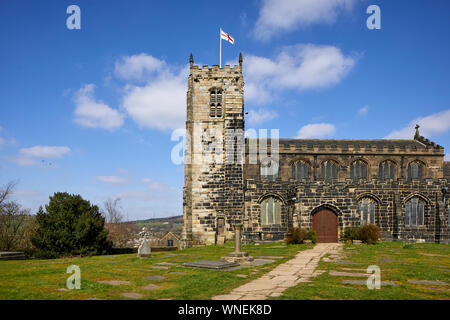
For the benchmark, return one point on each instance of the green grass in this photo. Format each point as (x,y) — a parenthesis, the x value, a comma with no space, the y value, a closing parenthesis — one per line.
(415,267)
(40,279)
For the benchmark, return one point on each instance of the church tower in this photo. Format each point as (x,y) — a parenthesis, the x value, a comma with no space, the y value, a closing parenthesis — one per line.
(213,198)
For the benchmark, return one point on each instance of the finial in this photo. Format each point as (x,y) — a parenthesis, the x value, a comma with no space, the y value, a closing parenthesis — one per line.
(417,135)
(240,59)
(191,60)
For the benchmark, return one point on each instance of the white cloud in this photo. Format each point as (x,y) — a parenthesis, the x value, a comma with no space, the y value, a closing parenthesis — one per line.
(111,179)
(95,114)
(363,111)
(277,16)
(447,157)
(161,102)
(2,141)
(260,116)
(432,125)
(45,152)
(155,186)
(316,130)
(138,66)
(27,156)
(300,67)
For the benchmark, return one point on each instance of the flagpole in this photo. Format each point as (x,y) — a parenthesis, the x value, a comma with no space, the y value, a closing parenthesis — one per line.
(220,50)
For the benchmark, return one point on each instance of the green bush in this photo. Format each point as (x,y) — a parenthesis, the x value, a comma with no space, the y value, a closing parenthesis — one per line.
(408,246)
(369,234)
(311,235)
(351,234)
(69,226)
(296,236)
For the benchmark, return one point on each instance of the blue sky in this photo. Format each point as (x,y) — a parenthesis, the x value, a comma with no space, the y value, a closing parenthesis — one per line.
(91,111)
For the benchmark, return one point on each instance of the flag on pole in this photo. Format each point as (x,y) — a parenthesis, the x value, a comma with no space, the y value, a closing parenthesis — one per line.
(225,36)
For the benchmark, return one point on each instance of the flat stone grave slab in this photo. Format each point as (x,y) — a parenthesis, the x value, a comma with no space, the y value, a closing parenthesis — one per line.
(254,263)
(12,255)
(352,269)
(114,282)
(159,267)
(176,272)
(397,261)
(132,295)
(241,276)
(348,262)
(151,287)
(364,282)
(62,289)
(434,255)
(155,278)
(348,274)
(210,264)
(429,282)
(166,263)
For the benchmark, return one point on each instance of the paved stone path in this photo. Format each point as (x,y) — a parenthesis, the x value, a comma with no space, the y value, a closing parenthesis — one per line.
(273,284)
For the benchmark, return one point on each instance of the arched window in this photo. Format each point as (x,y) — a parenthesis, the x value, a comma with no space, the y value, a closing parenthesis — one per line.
(215,103)
(415,170)
(358,170)
(269,170)
(300,170)
(386,170)
(328,170)
(366,210)
(270,211)
(414,212)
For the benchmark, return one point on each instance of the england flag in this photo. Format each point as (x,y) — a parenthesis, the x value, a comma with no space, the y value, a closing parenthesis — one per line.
(226,36)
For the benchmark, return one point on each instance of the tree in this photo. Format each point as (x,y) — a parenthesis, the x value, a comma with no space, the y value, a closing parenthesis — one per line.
(15,222)
(118,231)
(70,225)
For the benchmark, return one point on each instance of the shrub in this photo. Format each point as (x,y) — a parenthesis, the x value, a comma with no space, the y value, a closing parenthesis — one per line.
(311,235)
(351,234)
(408,246)
(296,236)
(369,234)
(70,226)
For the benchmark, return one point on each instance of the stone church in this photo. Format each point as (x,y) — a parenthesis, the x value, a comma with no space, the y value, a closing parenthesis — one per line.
(325,185)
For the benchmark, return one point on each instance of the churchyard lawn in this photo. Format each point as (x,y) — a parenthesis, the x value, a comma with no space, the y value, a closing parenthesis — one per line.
(161,276)
(420,272)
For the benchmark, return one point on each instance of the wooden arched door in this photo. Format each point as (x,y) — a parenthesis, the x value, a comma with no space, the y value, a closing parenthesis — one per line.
(325,223)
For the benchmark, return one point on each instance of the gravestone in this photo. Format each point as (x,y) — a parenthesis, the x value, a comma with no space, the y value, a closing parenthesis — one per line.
(237,256)
(144,250)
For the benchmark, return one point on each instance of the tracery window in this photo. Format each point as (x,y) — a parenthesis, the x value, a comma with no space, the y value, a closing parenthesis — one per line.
(215,103)
(358,170)
(271,211)
(386,170)
(415,170)
(269,170)
(366,210)
(328,170)
(300,170)
(414,212)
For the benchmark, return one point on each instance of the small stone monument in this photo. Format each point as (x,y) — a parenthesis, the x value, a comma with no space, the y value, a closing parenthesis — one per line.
(144,249)
(237,256)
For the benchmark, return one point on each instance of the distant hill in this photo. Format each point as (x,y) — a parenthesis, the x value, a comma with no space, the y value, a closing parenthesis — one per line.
(161,225)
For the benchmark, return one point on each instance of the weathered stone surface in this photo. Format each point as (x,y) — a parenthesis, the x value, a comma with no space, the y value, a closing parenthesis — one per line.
(114,282)
(155,278)
(210,264)
(151,287)
(347,274)
(429,282)
(297,270)
(364,282)
(132,295)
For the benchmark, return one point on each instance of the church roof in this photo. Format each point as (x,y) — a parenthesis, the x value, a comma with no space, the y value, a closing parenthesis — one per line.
(354,143)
